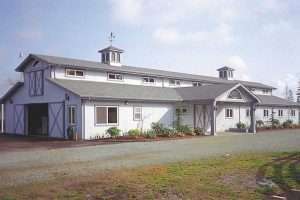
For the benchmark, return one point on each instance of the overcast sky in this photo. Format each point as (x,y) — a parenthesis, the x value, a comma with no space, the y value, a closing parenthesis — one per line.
(259,38)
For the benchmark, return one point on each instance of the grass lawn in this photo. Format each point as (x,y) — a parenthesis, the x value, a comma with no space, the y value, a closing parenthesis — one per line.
(227,177)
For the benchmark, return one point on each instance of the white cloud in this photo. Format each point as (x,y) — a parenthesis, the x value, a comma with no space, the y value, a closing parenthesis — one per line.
(129,11)
(239,64)
(222,34)
(288,80)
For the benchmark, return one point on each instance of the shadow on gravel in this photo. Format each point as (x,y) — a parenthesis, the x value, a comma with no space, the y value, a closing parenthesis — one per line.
(280,173)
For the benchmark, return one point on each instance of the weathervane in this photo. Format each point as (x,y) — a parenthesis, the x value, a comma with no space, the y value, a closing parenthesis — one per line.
(111,38)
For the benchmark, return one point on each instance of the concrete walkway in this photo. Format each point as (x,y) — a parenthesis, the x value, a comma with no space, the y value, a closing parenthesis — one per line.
(30,166)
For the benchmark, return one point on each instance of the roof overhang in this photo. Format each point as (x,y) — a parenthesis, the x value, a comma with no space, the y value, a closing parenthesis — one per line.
(10,92)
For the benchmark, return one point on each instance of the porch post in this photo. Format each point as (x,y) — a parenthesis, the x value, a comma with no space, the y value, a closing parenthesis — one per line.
(213,118)
(253,120)
(2,118)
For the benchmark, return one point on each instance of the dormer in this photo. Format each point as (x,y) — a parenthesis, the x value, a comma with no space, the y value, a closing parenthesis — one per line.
(226,73)
(111,56)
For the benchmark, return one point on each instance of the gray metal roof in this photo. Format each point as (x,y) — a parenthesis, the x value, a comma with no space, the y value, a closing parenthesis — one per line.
(275,101)
(84,64)
(11,91)
(225,68)
(206,92)
(112,48)
(104,90)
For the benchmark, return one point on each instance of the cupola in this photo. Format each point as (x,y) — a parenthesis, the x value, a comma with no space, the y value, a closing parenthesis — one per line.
(111,55)
(226,73)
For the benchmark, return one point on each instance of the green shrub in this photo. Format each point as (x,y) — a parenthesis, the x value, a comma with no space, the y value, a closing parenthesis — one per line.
(275,123)
(287,124)
(184,129)
(241,125)
(260,123)
(113,131)
(167,132)
(149,134)
(134,132)
(157,127)
(199,131)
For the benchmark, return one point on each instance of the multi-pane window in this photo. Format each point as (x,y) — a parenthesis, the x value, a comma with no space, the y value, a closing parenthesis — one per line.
(74,73)
(280,113)
(265,91)
(174,82)
(266,113)
(235,94)
(113,76)
(137,113)
(106,115)
(293,113)
(72,115)
(229,113)
(148,80)
(197,84)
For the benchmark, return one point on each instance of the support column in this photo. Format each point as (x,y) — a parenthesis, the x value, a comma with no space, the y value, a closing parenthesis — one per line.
(253,119)
(213,118)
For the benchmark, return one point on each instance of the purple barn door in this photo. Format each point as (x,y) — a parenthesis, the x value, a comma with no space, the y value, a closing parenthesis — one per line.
(57,120)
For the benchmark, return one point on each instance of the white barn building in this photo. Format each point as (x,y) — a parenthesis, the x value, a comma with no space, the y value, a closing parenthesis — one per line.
(58,93)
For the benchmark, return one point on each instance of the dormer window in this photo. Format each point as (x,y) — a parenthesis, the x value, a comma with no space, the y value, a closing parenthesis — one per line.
(197,84)
(113,76)
(148,80)
(173,82)
(75,73)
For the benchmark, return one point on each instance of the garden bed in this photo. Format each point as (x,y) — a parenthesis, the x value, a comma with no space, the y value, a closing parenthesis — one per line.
(275,129)
(142,139)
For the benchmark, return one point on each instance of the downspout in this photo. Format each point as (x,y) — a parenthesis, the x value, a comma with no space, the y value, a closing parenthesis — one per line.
(82,120)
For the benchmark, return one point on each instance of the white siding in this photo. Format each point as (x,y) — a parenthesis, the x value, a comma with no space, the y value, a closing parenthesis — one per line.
(163,113)
(286,114)
(239,114)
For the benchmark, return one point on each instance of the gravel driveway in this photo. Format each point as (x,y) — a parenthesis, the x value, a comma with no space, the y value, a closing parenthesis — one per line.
(39,165)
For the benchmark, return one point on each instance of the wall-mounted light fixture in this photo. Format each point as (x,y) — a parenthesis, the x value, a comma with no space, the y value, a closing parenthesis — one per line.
(67,97)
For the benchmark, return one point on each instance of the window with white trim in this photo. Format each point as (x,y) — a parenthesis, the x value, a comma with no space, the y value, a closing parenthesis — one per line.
(266,113)
(113,76)
(137,113)
(280,113)
(74,73)
(197,84)
(229,113)
(173,82)
(293,113)
(149,80)
(72,115)
(106,115)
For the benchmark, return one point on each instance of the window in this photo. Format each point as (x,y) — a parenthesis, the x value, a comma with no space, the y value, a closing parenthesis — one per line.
(173,82)
(137,113)
(265,91)
(197,84)
(113,59)
(293,113)
(106,115)
(235,94)
(266,113)
(103,58)
(36,83)
(280,113)
(74,73)
(112,76)
(248,113)
(72,115)
(229,113)
(148,80)
(118,57)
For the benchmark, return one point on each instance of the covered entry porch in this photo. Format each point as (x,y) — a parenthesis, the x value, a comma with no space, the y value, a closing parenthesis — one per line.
(218,108)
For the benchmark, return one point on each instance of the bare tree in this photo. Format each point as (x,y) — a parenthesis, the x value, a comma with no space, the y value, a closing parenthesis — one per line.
(298,92)
(290,95)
